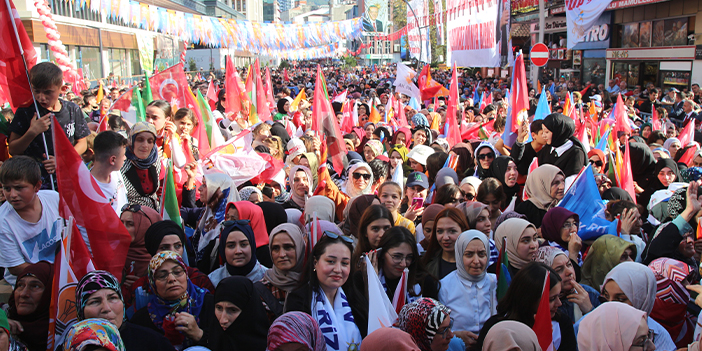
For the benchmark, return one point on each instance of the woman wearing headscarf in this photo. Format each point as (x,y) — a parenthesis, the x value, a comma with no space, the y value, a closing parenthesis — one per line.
(398,158)
(428,322)
(29,304)
(235,249)
(616,193)
(605,253)
(178,309)
(372,149)
(672,145)
(288,248)
(470,185)
(93,334)
(359,180)
(560,229)
(240,321)
(323,206)
(504,170)
(274,215)
(142,169)
(296,328)
(246,192)
(402,136)
(577,300)
(562,150)
(244,210)
(665,173)
(672,298)
(478,218)
(643,163)
(383,339)
(98,295)
(483,160)
(354,211)
(137,219)
(428,217)
(469,291)
(545,186)
(521,239)
(511,335)
(635,284)
(614,326)
(301,181)
(310,160)
(216,191)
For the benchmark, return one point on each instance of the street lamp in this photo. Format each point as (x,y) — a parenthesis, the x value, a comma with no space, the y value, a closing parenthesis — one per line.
(419,30)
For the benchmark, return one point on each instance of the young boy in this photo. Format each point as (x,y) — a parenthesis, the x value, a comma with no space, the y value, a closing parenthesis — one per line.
(30,227)
(109,148)
(26,128)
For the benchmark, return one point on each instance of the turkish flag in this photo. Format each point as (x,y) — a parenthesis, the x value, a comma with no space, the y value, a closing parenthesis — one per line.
(170,85)
(13,76)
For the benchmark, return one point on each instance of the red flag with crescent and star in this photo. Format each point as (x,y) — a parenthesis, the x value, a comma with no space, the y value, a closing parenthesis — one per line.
(170,85)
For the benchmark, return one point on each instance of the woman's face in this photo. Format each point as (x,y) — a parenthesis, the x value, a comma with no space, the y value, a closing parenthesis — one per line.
(286,107)
(362,112)
(482,223)
(646,132)
(511,174)
(301,185)
(627,256)
(547,135)
(553,299)
(428,229)
(184,125)
(416,166)
(232,214)
(143,144)
(475,257)
(558,187)
(333,266)
(368,153)
(202,189)
(401,138)
(304,162)
(171,281)
(157,117)
(666,176)
(570,227)
(612,292)
(564,267)
(397,259)
(528,244)
(597,164)
(105,304)
(375,231)
(171,243)
(447,232)
(237,249)
(226,313)
(443,336)
(493,205)
(361,178)
(674,147)
(369,131)
(390,198)
(127,219)
(28,292)
(420,137)
(469,192)
(395,159)
(642,337)
(283,252)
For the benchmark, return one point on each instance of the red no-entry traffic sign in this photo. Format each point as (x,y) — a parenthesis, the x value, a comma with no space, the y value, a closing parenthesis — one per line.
(539,54)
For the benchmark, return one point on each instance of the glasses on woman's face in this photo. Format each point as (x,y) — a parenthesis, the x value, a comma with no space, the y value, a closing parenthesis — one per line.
(647,344)
(570,224)
(597,163)
(398,258)
(163,275)
(445,330)
(486,156)
(358,176)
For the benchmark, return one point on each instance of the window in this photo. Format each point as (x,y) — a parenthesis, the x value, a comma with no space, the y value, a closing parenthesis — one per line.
(89,59)
(136,64)
(118,62)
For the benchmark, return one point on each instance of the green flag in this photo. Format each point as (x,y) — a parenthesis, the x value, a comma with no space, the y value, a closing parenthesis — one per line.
(138,104)
(206,114)
(148,96)
(503,277)
(169,202)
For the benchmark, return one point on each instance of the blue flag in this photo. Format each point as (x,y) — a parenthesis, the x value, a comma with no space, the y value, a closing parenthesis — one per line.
(602,145)
(583,198)
(476,98)
(542,109)
(552,90)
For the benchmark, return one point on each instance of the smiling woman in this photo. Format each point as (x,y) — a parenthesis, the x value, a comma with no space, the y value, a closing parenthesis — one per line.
(141,172)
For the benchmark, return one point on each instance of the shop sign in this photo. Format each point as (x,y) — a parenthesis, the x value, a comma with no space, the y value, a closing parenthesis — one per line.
(552,25)
(698,52)
(619,54)
(614,5)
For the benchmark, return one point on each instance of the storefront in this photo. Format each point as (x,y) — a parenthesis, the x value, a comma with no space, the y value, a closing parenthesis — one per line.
(589,56)
(560,59)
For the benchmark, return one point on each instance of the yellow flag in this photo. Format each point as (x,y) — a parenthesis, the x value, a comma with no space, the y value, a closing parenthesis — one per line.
(295,105)
(100,93)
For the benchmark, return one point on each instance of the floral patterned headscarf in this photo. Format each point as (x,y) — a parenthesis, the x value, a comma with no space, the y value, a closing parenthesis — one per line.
(94,331)
(91,283)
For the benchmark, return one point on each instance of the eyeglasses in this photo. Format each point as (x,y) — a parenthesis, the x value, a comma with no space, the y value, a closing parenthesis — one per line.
(484,156)
(337,236)
(226,224)
(398,258)
(598,163)
(163,275)
(443,332)
(135,208)
(358,176)
(568,225)
(647,344)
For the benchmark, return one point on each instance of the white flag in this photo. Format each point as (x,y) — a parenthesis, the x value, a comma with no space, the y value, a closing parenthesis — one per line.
(404,84)
(381,314)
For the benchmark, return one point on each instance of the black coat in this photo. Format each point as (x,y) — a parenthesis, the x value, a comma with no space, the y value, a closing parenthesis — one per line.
(570,162)
(141,318)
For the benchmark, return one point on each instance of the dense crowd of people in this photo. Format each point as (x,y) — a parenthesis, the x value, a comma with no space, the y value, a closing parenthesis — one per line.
(280,263)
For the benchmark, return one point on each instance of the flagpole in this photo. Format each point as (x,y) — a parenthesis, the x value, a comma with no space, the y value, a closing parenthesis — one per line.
(26,71)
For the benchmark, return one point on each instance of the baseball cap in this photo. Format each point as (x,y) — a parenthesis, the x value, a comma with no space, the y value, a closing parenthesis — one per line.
(418,178)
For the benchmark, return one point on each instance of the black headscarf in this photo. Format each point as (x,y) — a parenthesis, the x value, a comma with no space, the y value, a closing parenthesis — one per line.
(249,331)
(281,106)
(498,168)
(244,227)
(654,183)
(278,129)
(561,126)
(615,193)
(35,324)
(157,231)
(643,163)
(274,214)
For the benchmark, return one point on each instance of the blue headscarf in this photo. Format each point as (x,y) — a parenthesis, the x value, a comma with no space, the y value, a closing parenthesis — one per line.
(244,227)
(420,120)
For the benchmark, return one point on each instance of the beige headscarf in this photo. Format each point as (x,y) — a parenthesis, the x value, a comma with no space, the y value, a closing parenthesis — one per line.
(471,210)
(511,335)
(538,186)
(512,229)
(290,279)
(610,327)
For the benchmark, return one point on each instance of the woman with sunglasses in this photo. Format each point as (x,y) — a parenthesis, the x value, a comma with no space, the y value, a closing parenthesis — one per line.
(237,249)
(143,166)
(178,309)
(449,195)
(635,284)
(562,149)
(615,326)
(597,159)
(440,258)
(521,302)
(359,180)
(545,186)
(484,156)
(428,322)
(327,294)
(137,219)
(469,290)
(605,253)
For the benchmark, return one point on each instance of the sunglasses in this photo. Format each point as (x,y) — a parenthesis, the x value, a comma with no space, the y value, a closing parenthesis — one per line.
(598,163)
(358,176)
(135,208)
(469,197)
(337,236)
(485,156)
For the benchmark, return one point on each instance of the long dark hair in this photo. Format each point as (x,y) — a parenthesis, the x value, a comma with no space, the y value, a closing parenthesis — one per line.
(372,213)
(309,276)
(446,193)
(521,301)
(395,237)
(435,162)
(221,95)
(455,215)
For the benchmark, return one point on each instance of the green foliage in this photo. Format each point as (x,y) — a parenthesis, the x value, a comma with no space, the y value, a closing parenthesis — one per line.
(349,61)
(284,64)
(191,65)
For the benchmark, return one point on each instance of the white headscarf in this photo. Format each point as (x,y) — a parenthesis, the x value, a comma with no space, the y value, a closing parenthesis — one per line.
(213,182)
(637,282)
(461,243)
(349,189)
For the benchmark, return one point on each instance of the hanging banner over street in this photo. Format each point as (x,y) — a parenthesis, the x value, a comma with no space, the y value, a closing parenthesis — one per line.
(472,31)
(581,15)
(413,35)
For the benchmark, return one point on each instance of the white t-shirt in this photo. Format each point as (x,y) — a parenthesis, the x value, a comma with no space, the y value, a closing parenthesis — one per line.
(114,191)
(25,242)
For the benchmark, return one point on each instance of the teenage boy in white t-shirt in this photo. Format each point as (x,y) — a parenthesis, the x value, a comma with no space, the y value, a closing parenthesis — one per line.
(30,227)
(109,148)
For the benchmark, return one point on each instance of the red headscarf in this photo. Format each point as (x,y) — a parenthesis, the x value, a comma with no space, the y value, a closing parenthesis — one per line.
(250,211)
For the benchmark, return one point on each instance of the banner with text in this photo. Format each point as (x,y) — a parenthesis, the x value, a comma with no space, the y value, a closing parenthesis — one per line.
(472,28)
(421,10)
(581,15)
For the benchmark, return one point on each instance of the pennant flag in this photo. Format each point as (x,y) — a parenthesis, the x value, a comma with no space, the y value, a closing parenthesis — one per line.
(374,115)
(503,277)
(687,135)
(171,85)
(262,108)
(13,77)
(400,297)
(100,94)
(103,119)
(82,199)
(199,130)
(347,124)
(542,110)
(213,134)
(401,118)
(381,313)
(519,98)
(324,121)
(453,136)
(542,321)
(269,91)
(295,104)
(131,105)
(285,75)
(483,102)
(627,179)
(341,98)
(602,144)
(583,198)
(473,133)
(688,156)
(237,100)
(148,94)
(211,95)
(169,200)
(71,264)
(621,117)
(428,87)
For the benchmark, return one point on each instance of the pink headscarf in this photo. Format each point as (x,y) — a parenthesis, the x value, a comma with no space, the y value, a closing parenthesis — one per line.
(610,327)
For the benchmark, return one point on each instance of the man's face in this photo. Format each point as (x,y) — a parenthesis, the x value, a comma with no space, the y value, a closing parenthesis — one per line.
(373,12)
(695,89)
(612,83)
(687,107)
(622,85)
(114,95)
